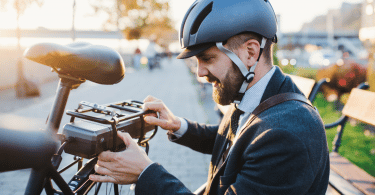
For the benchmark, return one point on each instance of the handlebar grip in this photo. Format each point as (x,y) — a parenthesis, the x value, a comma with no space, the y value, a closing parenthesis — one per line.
(25,149)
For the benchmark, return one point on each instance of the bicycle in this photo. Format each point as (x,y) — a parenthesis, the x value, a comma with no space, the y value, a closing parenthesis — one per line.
(95,132)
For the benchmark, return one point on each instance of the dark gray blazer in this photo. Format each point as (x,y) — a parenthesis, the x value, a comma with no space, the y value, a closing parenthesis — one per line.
(283,151)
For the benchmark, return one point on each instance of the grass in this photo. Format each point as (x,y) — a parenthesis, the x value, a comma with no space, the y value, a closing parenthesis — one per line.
(302,72)
(356,145)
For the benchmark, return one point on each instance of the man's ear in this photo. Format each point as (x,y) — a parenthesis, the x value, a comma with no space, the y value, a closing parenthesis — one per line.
(251,50)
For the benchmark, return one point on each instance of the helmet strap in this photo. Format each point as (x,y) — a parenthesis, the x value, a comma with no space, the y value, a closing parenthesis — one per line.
(249,75)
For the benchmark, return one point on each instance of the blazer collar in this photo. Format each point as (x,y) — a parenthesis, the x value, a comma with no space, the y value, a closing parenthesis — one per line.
(274,85)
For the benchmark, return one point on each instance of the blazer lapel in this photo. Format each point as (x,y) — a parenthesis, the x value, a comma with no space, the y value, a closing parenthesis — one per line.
(219,148)
(222,143)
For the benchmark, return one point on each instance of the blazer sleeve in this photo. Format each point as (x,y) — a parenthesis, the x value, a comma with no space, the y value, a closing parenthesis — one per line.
(276,162)
(158,181)
(199,137)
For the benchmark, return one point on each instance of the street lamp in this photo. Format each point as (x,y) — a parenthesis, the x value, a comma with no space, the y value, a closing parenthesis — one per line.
(74,13)
(24,88)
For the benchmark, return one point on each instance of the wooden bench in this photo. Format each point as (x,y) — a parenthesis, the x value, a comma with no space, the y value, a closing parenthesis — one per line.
(309,87)
(345,177)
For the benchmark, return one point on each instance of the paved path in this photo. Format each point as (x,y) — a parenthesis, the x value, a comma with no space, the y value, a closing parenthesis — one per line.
(173,84)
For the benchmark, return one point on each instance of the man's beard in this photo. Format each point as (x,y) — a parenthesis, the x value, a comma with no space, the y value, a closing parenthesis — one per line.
(227,90)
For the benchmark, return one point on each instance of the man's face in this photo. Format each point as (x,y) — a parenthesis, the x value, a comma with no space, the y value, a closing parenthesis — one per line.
(224,75)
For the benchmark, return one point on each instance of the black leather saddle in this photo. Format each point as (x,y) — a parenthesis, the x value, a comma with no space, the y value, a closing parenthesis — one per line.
(95,63)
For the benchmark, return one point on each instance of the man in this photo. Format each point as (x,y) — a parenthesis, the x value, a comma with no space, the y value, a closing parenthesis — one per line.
(282,151)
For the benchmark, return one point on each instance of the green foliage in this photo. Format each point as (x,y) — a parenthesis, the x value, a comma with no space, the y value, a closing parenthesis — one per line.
(288,69)
(355,145)
(306,72)
(275,58)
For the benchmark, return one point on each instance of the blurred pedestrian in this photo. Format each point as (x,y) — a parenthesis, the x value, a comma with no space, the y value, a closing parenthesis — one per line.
(151,53)
(137,59)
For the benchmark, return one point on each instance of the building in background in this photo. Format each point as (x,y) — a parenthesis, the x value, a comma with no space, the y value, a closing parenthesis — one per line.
(323,41)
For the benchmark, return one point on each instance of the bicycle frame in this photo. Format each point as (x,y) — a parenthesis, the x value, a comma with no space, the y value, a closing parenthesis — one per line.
(79,184)
(37,177)
(74,63)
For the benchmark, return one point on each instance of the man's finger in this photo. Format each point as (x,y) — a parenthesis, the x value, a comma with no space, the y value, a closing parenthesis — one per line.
(102,170)
(128,140)
(155,121)
(107,156)
(155,106)
(149,99)
(105,164)
(151,114)
(101,178)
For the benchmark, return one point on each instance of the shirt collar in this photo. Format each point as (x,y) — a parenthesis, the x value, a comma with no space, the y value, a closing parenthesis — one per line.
(252,96)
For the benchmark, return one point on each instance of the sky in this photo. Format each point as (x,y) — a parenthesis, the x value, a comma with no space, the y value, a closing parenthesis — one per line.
(57,14)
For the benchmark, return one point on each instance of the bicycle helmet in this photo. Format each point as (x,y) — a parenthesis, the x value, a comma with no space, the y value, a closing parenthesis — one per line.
(212,22)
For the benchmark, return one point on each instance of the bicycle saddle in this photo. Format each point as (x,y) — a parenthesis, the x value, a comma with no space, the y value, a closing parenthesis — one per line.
(95,63)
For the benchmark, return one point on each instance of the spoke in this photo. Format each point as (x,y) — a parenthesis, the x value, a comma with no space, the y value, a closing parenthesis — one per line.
(115,189)
(98,187)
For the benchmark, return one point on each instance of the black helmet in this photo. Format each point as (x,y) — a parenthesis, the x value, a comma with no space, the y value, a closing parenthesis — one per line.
(210,21)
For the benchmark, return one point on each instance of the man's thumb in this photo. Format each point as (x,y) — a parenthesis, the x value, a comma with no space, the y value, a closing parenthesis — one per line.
(128,140)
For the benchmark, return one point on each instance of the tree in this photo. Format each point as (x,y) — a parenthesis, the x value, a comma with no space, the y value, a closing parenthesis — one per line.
(139,18)
(23,87)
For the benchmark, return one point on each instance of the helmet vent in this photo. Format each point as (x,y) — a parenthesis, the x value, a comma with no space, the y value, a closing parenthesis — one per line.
(202,15)
(184,20)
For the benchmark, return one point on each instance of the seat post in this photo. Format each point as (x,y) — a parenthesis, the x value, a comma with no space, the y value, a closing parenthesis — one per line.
(63,90)
(66,83)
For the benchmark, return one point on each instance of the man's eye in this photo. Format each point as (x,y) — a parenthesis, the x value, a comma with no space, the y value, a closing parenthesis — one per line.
(207,59)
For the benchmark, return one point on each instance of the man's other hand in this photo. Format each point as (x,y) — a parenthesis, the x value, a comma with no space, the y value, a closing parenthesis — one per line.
(121,167)
(166,118)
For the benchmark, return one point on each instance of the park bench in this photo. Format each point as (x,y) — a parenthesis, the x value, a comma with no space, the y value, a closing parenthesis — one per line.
(345,177)
(309,87)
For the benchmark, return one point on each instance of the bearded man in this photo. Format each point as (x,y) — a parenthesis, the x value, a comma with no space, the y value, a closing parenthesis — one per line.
(257,148)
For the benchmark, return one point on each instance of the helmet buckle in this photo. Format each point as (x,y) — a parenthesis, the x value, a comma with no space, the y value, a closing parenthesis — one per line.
(249,77)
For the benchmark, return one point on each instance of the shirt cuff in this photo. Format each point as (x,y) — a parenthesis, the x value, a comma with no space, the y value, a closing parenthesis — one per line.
(182,130)
(145,170)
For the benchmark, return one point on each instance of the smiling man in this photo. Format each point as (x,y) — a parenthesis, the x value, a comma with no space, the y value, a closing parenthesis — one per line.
(259,147)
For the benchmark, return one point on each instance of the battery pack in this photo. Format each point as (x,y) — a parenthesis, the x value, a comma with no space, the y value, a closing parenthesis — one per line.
(93,133)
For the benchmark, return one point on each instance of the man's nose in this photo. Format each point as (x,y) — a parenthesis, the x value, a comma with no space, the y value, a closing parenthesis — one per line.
(201,71)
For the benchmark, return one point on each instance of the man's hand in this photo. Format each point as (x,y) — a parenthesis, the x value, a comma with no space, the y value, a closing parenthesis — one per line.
(166,118)
(121,167)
